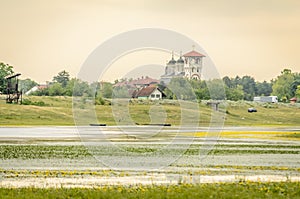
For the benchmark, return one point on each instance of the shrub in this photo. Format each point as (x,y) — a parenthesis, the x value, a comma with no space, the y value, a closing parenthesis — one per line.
(34,103)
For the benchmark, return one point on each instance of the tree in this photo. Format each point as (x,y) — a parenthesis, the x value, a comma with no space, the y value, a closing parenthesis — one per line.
(263,88)
(216,89)
(200,89)
(282,86)
(234,94)
(5,70)
(182,89)
(120,92)
(248,84)
(56,89)
(62,77)
(228,82)
(107,89)
(295,83)
(236,81)
(26,84)
(297,93)
(77,87)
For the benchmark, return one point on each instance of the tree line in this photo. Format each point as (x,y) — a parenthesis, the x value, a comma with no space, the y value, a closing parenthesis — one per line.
(285,86)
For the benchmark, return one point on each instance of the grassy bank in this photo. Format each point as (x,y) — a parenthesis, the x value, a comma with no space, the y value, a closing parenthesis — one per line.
(58,111)
(227,190)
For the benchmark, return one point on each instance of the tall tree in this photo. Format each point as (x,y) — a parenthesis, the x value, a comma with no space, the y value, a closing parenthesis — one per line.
(26,84)
(62,77)
(234,94)
(5,70)
(76,87)
(182,89)
(248,84)
(297,93)
(228,82)
(282,86)
(263,88)
(216,89)
(295,83)
(56,89)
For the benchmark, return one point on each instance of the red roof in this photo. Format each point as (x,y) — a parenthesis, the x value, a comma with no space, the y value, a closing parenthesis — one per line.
(145,81)
(145,92)
(40,87)
(140,81)
(193,54)
(293,99)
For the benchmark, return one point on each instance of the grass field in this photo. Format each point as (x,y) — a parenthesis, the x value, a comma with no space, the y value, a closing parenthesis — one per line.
(27,166)
(58,111)
(226,190)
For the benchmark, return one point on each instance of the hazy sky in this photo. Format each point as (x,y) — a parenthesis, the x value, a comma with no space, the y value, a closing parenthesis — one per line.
(258,38)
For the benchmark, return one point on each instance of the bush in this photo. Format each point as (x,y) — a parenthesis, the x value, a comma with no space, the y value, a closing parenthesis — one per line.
(34,103)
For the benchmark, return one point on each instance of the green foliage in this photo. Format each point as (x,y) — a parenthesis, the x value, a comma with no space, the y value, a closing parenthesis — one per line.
(99,100)
(295,84)
(26,84)
(74,87)
(121,92)
(56,89)
(5,70)
(263,88)
(207,190)
(106,89)
(62,77)
(42,152)
(297,93)
(234,94)
(248,84)
(80,88)
(35,103)
(216,89)
(182,89)
(282,86)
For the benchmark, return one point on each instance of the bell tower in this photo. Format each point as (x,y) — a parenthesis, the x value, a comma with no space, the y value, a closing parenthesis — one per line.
(193,64)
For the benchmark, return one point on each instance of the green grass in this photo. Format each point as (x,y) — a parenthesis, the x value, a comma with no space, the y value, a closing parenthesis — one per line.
(293,135)
(42,152)
(227,190)
(58,111)
(79,152)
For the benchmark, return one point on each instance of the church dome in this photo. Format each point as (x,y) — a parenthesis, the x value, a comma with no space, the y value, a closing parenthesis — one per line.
(180,60)
(172,61)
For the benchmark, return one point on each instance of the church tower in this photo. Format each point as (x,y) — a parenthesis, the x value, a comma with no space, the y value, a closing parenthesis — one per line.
(188,66)
(193,64)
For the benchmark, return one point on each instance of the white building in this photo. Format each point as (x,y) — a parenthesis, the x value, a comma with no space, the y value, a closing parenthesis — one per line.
(149,92)
(188,65)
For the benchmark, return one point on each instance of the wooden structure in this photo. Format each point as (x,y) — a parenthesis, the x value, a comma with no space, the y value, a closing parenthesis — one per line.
(214,105)
(12,89)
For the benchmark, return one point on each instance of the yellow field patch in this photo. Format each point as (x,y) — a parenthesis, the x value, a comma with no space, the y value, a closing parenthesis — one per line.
(249,134)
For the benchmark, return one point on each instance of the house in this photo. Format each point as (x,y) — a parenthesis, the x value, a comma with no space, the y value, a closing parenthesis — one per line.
(137,83)
(293,100)
(149,92)
(36,88)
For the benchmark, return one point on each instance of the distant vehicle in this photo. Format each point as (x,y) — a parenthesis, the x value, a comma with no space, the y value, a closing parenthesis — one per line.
(271,99)
(251,110)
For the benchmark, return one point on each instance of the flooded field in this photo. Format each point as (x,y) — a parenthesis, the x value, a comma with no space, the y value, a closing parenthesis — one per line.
(61,156)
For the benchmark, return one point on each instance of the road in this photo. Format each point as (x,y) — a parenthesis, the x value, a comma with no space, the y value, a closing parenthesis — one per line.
(61,132)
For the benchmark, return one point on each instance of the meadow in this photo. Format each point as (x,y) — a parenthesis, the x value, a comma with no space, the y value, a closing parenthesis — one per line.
(242,164)
(58,111)
(220,190)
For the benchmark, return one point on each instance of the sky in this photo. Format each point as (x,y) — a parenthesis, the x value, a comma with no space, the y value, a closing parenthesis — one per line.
(40,38)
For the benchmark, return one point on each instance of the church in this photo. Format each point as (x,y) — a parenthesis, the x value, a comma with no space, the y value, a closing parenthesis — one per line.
(188,65)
